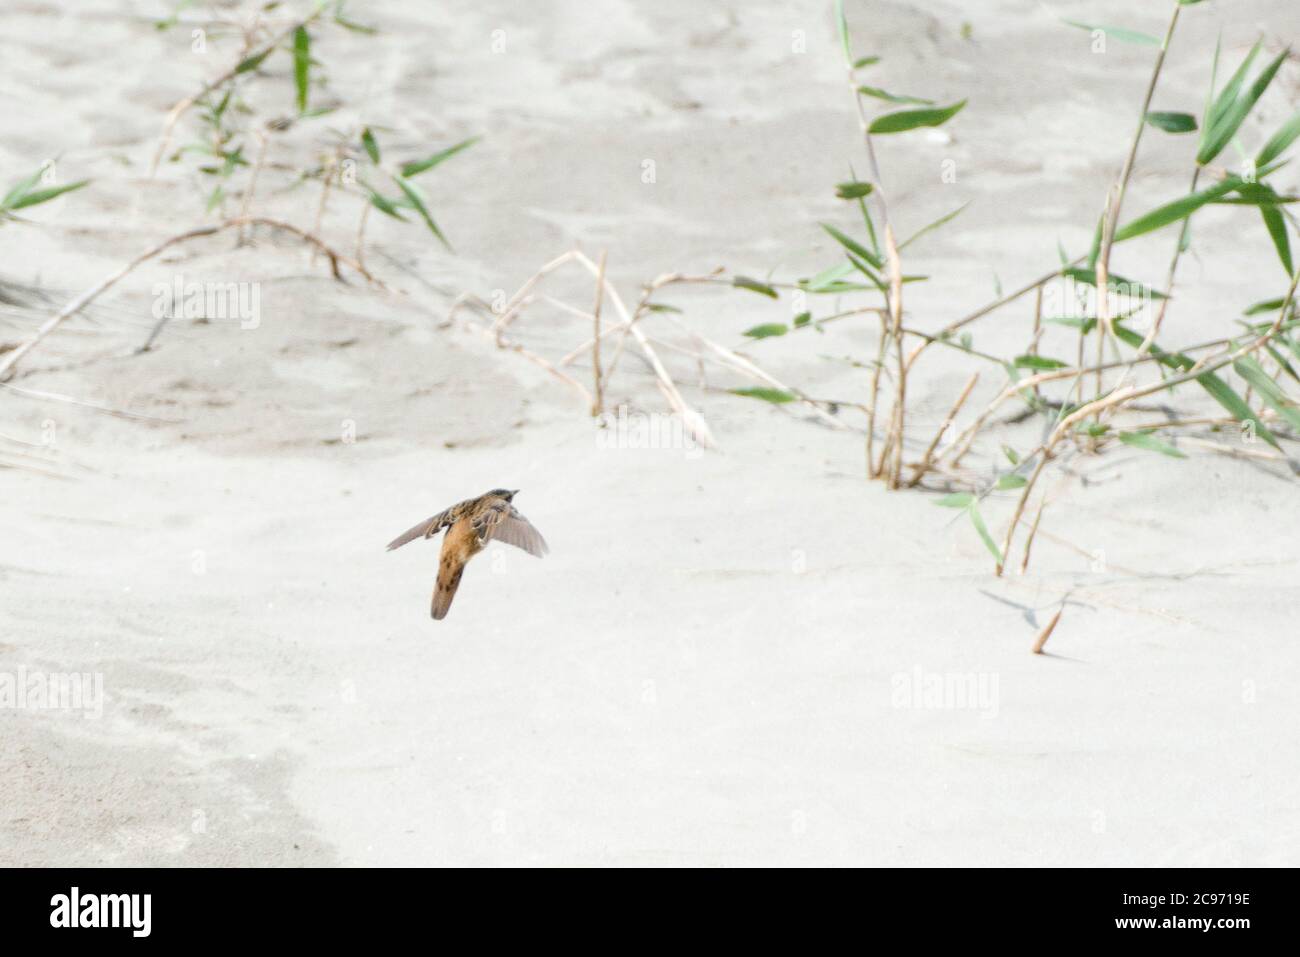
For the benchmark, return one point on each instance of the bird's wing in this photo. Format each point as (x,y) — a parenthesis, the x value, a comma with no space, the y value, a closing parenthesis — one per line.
(513,529)
(426,529)
(488,517)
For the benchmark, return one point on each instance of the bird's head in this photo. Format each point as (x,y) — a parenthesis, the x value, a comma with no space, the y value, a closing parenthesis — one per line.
(504,493)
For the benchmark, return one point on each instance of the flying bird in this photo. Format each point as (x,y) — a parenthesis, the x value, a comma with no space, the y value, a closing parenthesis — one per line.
(470,525)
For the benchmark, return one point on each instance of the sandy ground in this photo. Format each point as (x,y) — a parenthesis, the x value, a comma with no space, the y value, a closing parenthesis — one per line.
(724,659)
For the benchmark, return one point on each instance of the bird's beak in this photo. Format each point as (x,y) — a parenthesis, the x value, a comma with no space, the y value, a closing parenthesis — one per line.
(514,493)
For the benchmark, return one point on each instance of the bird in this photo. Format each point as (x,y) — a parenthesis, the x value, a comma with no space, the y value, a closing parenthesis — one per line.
(470,525)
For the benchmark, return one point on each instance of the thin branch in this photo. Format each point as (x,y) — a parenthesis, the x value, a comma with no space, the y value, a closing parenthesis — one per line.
(361,233)
(1046,633)
(252,181)
(690,418)
(96,406)
(508,346)
(331,167)
(983,311)
(598,406)
(84,299)
(1033,530)
(924,465)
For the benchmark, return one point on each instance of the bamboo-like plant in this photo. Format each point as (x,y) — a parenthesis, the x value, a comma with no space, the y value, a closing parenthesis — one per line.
(231,143)
(1078,400)
(33,190)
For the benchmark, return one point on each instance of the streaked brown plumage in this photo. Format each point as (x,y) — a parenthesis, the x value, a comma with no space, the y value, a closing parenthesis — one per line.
(470,525)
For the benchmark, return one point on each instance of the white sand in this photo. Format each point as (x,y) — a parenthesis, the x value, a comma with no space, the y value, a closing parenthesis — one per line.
(712,666)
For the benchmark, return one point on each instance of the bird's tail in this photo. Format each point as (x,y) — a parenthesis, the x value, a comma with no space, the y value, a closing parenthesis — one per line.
(445,590)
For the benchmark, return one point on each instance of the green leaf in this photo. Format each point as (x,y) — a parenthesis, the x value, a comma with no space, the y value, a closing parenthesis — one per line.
(853,190)
(1214,78)
(1113,281)
(417,203)
(867,271)
(1219,390)
(369,142)
(838,288)
(827,279)
(941,221)
(775,396)
(352,25)
(843,30)
(1282,360)
(1039,362)
(662,307)
(1012,455)
(1268,305)
(219,110)
(853,246)
(905,120)
(956,500)
(871,229)
(253,62)
(802,319)
(21,188)
(318,111)
(385,205)
(1074,322)
(42,195)
(1011,481)
(1172,122)
(1177,210)
(232,161)
(301,66)
(1280,141)
(1220,105)
(767,330)
(1225,128)
(880,94)
(977,520)
(1258,194)
(416,167)
(860,62)
(1276,226)
(1145,440)
(753,285)
(1172,360)
(1119,33)
(1249,369)
(1236,405)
